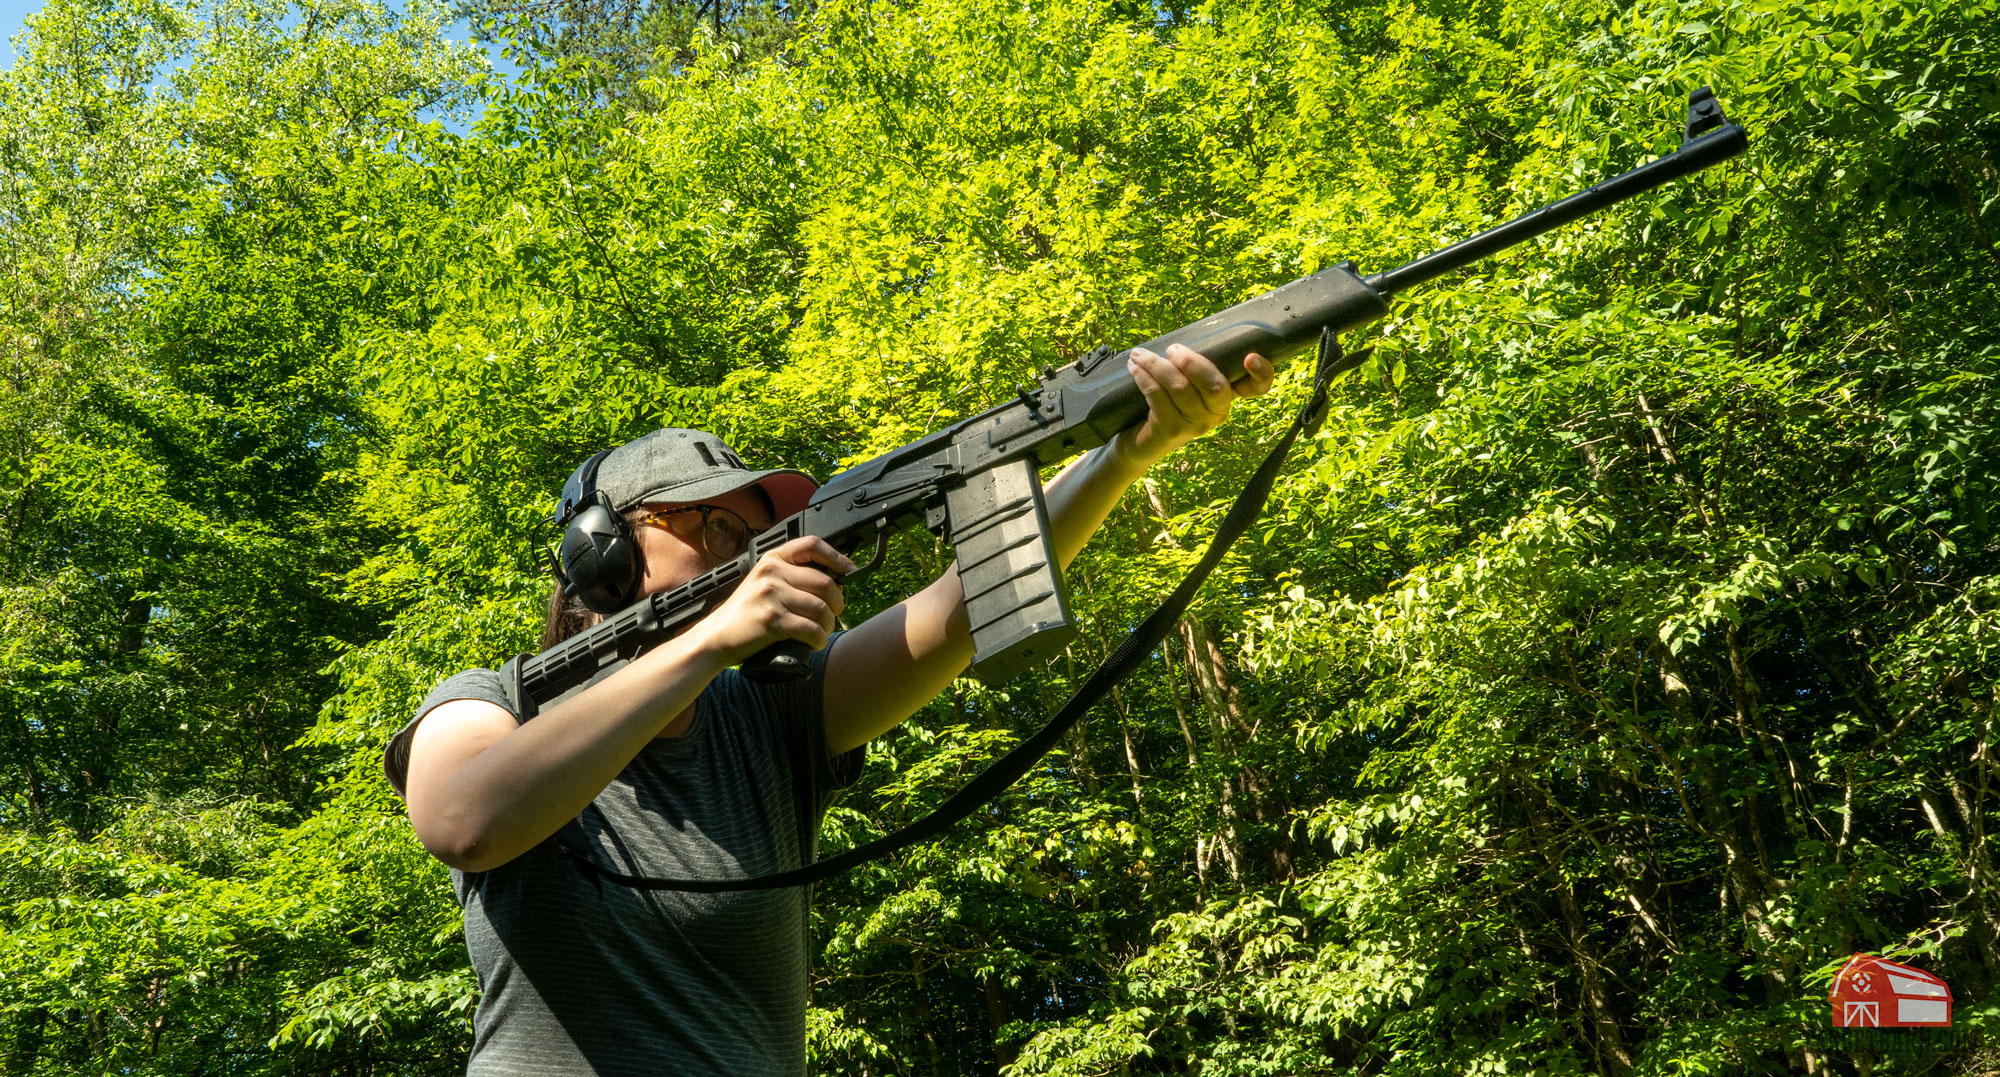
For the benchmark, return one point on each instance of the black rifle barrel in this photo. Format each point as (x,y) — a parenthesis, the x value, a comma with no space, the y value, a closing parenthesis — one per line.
(1716,146)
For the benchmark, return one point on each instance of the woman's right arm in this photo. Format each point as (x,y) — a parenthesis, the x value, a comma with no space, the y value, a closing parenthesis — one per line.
(482,789)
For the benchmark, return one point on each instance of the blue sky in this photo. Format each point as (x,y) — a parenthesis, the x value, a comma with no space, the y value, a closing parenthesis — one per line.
(13,13)
(14,16)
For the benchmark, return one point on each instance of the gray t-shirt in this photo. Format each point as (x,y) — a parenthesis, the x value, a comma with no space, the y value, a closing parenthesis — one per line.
(583,976)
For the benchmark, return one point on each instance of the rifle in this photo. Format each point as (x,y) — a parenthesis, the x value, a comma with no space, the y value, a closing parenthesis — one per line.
(977,483)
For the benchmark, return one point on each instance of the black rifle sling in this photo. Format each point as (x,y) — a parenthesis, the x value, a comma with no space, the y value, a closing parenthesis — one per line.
(1123,659)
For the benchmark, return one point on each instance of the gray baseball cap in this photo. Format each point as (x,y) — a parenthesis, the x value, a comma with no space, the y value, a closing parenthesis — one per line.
(685,466)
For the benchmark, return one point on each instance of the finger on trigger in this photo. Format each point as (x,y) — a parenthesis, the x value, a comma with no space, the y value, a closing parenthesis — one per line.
(831,556)
(814,552)
(816,579)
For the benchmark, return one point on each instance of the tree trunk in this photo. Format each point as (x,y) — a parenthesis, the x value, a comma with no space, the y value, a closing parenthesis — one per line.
(996,1019)
(1607,1037)
(27,1048)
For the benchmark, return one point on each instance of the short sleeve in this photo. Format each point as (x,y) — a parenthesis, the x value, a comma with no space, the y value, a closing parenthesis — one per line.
(844,769)
(801,707)
(480,684)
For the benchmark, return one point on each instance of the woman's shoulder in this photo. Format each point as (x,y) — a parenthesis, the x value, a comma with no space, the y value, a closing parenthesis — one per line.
(485,685)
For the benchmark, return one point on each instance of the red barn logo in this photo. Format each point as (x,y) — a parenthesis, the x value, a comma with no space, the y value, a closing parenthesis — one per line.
(1869,992)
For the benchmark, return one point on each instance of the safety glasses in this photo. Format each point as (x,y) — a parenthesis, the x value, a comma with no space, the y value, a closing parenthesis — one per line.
(720,532)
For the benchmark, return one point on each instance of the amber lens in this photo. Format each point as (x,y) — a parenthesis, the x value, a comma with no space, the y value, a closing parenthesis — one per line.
(723,533)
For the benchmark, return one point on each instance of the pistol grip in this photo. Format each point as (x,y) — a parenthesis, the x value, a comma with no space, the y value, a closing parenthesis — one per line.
(785,660)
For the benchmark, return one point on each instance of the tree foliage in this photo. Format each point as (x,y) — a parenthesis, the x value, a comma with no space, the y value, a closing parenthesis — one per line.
(1618,660)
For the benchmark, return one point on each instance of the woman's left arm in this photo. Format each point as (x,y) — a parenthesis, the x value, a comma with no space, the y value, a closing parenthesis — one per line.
(888,667)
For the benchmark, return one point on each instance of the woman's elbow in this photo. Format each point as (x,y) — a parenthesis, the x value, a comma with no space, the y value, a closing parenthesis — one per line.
(465,848)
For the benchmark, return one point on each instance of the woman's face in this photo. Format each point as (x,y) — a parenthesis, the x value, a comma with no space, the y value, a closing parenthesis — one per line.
(673,558)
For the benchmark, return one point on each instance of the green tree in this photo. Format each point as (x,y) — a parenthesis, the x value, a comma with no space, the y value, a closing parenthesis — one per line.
(175,321)
(624,42)
(1618,660)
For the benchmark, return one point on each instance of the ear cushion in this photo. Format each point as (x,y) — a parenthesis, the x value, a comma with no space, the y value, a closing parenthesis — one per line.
(600,558)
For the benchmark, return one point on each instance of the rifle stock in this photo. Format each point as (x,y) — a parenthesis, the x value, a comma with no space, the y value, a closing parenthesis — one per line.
(976,482)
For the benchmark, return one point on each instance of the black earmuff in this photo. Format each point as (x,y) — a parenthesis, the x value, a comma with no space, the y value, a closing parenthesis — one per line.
(598,560)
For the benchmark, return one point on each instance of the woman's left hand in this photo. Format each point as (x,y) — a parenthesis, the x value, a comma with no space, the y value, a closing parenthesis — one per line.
(1188,397)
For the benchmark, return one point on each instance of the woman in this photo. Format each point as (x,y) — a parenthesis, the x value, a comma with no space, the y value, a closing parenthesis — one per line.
(677,765)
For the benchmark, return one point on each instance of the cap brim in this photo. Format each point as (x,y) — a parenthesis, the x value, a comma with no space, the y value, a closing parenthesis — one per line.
(790,491)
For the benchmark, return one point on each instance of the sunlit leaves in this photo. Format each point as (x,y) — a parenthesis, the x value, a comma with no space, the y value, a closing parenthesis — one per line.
(1619,653)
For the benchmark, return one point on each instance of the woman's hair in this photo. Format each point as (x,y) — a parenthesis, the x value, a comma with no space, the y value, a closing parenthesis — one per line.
(567,616)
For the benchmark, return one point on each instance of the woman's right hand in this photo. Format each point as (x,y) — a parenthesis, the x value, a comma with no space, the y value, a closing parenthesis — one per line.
(791,593)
